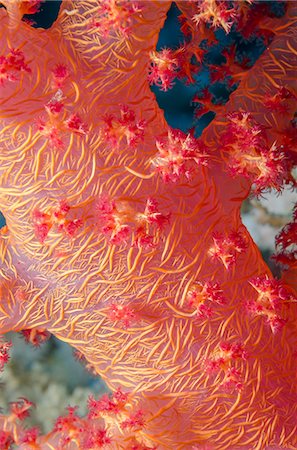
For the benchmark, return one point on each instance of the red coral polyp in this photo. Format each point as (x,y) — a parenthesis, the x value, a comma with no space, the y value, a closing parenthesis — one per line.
(163,69)
(122,314)
(227,248)
(21,409)
(152,214)
(223,360)
(59,122)
(179,156)
(250,155)
(69,427)
(35,336)
(234,350)
(114,16)
(6,440)
(121,223)
(54,106)
(199,294)
(286,243)
(57,218)
(96,438)
(125,126)
(75,123)
(216,13)
(60,73)
(272,296)
(4,353)
(280,101)
(107,404)
(135,421)
(232,380)
(42,224)
(30,437)
(114,220)
(11,65)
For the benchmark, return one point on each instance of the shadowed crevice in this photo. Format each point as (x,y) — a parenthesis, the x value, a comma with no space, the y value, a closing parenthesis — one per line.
(2,220)
(45,17)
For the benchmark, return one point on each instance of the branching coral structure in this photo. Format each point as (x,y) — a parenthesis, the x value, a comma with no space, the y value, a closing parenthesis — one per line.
(123,236)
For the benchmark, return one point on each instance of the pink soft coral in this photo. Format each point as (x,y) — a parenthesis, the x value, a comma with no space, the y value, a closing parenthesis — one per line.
(178,235)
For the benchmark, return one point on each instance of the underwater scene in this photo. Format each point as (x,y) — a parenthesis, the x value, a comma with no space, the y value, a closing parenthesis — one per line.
(148,225)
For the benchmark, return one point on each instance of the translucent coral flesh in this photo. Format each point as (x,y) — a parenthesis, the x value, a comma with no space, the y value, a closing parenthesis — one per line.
(69,283)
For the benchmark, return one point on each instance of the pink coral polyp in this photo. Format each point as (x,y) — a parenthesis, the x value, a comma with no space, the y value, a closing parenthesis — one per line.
(179,156)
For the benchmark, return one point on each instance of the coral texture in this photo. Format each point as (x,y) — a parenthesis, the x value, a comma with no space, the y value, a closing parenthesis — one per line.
(124,236)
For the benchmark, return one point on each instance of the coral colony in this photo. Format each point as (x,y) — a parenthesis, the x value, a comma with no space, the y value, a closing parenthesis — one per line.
(123,235)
